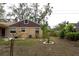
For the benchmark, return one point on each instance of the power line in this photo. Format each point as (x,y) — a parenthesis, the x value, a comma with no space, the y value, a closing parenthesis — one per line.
(65,10)
(65,13)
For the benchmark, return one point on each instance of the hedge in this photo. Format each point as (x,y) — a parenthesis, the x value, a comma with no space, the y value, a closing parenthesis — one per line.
(74,36)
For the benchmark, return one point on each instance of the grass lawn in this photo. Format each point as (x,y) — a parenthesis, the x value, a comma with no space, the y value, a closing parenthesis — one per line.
(26,42)
(35,47)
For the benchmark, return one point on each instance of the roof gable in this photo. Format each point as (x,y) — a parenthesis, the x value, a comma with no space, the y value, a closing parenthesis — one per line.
(22,24)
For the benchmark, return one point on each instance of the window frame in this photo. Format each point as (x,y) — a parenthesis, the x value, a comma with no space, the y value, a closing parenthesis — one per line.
(12,30)
(23,29)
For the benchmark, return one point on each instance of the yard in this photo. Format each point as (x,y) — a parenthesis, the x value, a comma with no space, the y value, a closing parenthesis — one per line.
(35,47)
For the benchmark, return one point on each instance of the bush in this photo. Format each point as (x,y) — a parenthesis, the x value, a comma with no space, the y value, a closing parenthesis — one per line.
(53,33)
(62,34)
(74,36)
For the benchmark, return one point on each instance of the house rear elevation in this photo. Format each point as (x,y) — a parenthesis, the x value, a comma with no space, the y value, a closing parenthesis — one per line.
(21,29)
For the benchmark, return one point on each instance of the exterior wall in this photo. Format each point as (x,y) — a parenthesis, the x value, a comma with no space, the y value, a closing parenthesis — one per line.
(28,31)
(7,32)
(40,33)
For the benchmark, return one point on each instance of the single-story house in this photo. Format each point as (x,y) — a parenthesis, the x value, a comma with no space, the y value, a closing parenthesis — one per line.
(22,29)
(77,26)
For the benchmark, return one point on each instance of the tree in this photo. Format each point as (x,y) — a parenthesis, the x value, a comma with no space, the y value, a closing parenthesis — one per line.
(61,29)
(47,11)
(39,14)
(69,28)
(45,30)
(10,16)
(2,10)
(32,12)
(64,28)
(22,11)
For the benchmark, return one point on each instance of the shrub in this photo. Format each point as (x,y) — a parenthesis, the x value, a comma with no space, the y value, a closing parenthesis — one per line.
(74,36)
(67,29)
(62,34)
(53,33)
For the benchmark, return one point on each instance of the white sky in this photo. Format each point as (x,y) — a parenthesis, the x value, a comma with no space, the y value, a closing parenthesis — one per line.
(63,10)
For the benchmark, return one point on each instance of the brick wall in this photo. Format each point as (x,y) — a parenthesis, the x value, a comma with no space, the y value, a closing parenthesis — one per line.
(28,31)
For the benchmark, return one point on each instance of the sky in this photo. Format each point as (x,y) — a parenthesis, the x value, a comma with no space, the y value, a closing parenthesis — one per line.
(63,10)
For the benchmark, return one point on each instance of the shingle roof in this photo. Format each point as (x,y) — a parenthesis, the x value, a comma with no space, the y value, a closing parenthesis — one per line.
(22,24)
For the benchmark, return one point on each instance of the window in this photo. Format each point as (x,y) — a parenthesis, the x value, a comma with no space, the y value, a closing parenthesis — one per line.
(22,29)
(37,31)
(12,30)
(26,22)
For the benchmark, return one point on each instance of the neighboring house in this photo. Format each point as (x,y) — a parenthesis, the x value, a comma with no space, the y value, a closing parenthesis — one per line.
(22,29)
(77,26)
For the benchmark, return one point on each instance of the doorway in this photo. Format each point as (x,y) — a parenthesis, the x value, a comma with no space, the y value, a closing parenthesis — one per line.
(3,32)
(37,33)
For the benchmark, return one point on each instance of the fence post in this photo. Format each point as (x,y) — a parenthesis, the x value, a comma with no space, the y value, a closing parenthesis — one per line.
(11,47)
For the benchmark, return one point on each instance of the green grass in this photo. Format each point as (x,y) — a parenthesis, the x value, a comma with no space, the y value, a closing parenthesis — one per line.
(2,42)
(26,42)
(21,47)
